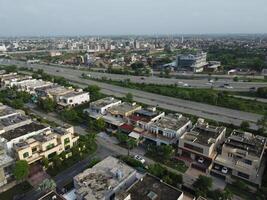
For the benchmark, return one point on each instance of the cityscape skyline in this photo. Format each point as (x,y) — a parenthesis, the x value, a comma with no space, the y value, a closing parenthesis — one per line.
(134,18)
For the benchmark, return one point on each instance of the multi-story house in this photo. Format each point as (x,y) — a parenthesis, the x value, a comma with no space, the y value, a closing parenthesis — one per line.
(167,129)
(46,144)
(200,144)
(242,156)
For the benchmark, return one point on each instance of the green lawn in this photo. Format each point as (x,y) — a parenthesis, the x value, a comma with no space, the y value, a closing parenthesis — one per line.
(16,190)
(177,165)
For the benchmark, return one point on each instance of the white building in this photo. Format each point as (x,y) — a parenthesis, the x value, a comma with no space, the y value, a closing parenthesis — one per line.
(73,98)
(104,180)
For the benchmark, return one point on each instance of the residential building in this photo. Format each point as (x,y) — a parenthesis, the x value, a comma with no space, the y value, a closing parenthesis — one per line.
(65,97)
(11,118)
(191,62)
(200,144)
(8,80)
(46,144)
(167,129)
(104,180)
(11,137)
(123,110)
(145,117)
(30,85)
(149,188)
(74,98)
(99,108)
(242,156)
(5,166)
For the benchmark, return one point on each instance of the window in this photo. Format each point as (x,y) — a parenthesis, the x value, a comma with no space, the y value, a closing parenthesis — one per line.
(249,162)
(26,154)
(34,149)
(66,141)
(189,146)
(243,175)
(50,146)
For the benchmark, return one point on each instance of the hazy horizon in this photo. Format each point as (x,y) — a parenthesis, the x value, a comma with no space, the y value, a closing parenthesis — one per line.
(131,17)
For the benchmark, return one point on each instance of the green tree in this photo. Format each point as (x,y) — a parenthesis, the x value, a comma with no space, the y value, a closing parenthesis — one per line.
(94,91)
(202,185)
(21,170)
(129,97)
(100,124)
(244,125)
(47,104)
(130,144)
(45,162)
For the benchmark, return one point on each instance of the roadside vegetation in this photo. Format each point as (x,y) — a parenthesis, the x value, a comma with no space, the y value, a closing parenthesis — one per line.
(208,96)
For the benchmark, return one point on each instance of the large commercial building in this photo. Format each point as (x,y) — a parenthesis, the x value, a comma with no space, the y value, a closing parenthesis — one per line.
(200,144)
(191,62)
(104,180)
(242,157)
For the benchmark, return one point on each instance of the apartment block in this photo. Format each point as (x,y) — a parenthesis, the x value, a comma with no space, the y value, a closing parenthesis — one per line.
(46,144)
(105,180)
(199,145)
(167,129)
(242,157)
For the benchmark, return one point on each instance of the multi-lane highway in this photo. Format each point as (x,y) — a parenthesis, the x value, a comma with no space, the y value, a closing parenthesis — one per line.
(178,105)
(197,82)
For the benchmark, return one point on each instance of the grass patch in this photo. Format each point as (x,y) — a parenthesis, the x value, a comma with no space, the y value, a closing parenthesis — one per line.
(245,194)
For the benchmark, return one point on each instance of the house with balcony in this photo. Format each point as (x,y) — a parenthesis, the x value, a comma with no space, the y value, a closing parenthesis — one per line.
(199,145)
(167,129)
(46,144)
(242,156)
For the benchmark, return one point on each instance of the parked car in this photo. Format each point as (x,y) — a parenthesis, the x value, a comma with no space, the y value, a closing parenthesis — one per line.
(225,170)
(217,167)
(200,160)
(139,158)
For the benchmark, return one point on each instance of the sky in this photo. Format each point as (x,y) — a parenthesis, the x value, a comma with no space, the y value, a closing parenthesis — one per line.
(123,17)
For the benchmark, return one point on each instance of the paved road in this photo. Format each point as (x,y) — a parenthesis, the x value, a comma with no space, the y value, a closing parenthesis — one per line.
(216,113)
(200,81)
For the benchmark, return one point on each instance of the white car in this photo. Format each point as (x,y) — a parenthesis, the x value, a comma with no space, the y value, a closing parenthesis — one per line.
(200,160)
(185,85)
(139,158)
(225,170)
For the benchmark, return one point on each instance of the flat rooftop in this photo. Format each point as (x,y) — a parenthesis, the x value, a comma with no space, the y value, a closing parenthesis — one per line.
(96,182)
(23,130)
(123,108)
(150,187)
(172,122)
(35,83)
(6,110)
(52,196)
(104,102)
(12,120)
(144,115)
(253,144)
(73,94)
(4,158)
